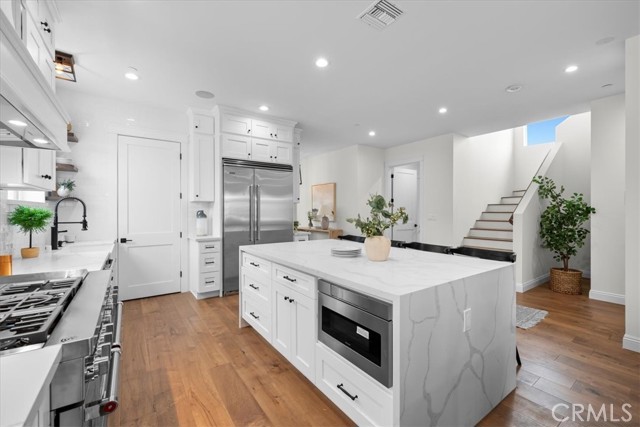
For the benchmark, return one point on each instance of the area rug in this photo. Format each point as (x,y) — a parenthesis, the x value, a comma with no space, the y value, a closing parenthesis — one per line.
(527,317)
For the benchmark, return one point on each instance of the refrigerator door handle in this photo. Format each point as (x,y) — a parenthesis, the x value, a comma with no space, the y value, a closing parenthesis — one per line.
(251,213)
(258,212)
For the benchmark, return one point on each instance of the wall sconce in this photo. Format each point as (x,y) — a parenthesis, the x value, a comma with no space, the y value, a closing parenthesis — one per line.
(65,66)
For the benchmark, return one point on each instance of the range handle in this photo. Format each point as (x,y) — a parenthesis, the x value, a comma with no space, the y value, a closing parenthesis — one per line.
(110,404)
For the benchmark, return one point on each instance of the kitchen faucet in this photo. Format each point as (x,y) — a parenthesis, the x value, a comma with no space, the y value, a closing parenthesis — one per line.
(54,227)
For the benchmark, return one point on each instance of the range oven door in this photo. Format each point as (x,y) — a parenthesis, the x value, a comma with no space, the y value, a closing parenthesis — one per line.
(359,336)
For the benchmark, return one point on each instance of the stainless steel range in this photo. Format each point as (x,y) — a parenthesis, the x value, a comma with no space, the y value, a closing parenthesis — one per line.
(79,311)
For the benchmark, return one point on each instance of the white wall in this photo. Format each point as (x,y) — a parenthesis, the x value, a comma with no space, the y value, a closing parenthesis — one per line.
(607,195)
(632,197)
(526,159)
(357,172)
(436,182)
(95,120)
(571,169)
(482,173)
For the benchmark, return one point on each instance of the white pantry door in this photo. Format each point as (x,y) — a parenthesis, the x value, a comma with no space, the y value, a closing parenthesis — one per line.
(148,217)
(405,194)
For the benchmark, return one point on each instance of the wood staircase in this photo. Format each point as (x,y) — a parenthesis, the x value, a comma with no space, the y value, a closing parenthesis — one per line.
(494,230)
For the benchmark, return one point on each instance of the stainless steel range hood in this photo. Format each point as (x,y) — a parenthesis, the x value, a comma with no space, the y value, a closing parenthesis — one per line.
(18,129)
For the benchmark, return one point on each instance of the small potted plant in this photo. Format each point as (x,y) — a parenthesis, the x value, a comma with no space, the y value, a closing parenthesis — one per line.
(562,232)
(66,187)
(376,245)
(30,220)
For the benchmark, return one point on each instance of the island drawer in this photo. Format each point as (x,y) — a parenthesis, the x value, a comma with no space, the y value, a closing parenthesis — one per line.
(363,399)
(256,264)
(295,280)
(256,285)
(209,262)
(207,247)
(258,314)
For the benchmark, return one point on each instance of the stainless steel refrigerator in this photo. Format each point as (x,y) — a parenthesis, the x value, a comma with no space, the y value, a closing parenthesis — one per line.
(258,208)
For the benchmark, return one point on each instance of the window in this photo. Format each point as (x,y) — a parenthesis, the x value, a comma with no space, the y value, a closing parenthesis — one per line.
(542,132)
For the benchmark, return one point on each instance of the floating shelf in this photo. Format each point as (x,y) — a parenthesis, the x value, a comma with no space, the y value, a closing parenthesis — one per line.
(65,167)
(71,137)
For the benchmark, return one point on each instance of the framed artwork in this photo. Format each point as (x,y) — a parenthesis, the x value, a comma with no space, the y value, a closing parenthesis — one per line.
(323,200)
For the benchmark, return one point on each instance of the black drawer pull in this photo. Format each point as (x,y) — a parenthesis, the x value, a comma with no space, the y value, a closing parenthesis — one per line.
(254,264)
(291,300)
(251,285)
(209,282)
(341,387)
(209,247)
(254,316)
(289,278)
(209,262)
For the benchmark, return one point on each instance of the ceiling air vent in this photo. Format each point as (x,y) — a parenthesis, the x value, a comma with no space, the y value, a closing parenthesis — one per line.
(380,14)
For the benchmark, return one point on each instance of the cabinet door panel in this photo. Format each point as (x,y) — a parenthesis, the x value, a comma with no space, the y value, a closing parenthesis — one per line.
(304,335)
(39,168)
(206,163)
(282,133)
(261,150)
(203,124)
(235,124)
(282,320)
(236,147)
(260,129)
(283,153)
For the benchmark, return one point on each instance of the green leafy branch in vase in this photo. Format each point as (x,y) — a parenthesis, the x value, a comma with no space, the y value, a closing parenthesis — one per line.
(381,218)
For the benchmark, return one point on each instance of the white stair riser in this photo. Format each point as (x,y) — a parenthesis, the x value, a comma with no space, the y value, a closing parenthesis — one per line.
(491,234)
(492,244)
(501,208)
(515,200)
(504,216)
(518,193)
(493,224)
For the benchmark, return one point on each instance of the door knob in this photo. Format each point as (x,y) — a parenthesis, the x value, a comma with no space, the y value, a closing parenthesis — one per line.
(125,240)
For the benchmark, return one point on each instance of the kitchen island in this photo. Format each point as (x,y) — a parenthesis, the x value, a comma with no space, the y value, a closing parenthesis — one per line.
(445,370)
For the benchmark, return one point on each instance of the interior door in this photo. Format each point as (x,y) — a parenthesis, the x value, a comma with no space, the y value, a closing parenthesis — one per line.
(274,206)
(238,221)
(405,194)
(148,217)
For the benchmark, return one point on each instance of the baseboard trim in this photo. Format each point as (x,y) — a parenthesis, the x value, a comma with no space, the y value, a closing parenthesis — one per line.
(631,343)
(533,283)
(606,297)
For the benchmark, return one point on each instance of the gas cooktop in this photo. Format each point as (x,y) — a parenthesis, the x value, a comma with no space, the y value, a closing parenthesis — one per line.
(31,305)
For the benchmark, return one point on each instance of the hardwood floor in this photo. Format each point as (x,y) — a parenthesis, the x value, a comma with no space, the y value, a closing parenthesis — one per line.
(186,363)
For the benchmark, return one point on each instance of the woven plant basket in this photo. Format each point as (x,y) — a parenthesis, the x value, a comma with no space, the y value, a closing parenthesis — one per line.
(566,282)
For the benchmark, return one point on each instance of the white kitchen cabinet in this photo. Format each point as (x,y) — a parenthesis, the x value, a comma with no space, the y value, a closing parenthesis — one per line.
(261,150)
(293,332)
(201,172)
(282,152)
(271,131)
(205,267)
(28,168)
(39,51)
(231,123)
(201,157)
(364,400)
(236,147)
(42,15)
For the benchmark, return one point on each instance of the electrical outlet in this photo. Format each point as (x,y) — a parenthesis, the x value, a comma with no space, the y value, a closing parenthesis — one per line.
(467,320)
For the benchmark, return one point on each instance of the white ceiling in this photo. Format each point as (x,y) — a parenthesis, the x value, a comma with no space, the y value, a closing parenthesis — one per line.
(458,54)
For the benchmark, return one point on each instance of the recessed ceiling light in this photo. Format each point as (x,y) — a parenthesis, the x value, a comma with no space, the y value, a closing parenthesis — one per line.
(264,108)
(442,110)
(205,94)
(132,74)
(321,62)
(513,88)
(605,40)
(17,123)
(131,120)
(372,133)
(40,141)
(571,69)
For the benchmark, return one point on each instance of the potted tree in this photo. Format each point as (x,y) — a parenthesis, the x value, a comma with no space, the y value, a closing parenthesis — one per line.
(562,232)
(30,220)
(376,245)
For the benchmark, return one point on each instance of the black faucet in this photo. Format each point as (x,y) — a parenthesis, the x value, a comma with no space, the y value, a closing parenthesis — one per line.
(54,227)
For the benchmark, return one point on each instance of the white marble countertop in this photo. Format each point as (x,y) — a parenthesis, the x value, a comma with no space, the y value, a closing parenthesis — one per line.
(72,256)
(23,381)
(406,271)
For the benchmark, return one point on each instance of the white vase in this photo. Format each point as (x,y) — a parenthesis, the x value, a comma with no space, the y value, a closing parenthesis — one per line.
(377,248)
(63,191)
